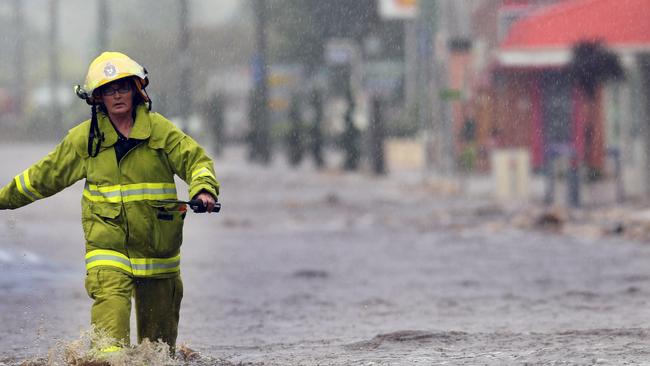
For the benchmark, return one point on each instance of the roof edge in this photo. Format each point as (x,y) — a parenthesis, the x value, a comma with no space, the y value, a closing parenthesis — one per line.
(534,58)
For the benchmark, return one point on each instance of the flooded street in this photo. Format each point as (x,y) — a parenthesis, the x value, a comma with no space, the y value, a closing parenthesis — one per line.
(325,268)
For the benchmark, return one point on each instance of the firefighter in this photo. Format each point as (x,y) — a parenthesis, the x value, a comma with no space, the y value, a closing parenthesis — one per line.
(128,156)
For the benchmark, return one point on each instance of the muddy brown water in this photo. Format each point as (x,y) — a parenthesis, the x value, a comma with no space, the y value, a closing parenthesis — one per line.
(323,268)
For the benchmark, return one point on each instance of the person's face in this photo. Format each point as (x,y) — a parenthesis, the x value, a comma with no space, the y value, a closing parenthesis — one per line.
(117,96)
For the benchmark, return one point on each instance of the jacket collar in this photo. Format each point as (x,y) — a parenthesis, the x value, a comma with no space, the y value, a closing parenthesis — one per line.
(141,128)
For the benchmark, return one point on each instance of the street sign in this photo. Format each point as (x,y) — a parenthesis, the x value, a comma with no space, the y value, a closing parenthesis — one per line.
(340,51)
(383,77)
(398,9)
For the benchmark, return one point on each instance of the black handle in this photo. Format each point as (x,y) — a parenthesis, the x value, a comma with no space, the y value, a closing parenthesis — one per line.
(198,207)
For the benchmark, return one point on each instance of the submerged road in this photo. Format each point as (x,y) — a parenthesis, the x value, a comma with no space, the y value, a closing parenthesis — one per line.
(325,268)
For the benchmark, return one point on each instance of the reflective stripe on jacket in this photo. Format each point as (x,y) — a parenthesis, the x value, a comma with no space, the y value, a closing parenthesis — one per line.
(142,267)
(130,192)
(125,224)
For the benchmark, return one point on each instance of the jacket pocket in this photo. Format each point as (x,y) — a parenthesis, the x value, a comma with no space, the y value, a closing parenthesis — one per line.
(106,210)
(102,224)
(167,228)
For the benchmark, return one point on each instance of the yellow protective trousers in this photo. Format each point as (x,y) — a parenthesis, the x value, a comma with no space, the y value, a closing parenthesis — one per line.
(157,305)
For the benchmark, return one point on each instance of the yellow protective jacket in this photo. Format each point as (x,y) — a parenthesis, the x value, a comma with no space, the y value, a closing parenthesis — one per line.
(124,224)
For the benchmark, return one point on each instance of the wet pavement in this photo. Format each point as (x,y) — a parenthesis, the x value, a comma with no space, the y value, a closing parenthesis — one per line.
(325,268)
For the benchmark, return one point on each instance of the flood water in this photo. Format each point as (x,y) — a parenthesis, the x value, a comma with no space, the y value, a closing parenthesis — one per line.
(325,268)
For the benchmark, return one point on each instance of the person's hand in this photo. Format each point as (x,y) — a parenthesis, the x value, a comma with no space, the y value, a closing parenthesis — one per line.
(207,199)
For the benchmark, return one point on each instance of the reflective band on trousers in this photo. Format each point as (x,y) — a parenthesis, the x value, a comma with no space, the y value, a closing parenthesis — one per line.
(110,349)
(130,192)
(141,267)
(202,172)
(25,186)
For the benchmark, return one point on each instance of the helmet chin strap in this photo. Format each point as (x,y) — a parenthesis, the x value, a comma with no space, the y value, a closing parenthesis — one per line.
(94,133)
(150,102)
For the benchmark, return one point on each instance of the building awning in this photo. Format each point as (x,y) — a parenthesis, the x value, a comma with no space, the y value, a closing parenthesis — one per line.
(546,37)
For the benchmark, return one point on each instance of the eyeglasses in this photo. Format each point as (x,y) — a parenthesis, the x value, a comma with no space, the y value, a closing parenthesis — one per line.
(121,88)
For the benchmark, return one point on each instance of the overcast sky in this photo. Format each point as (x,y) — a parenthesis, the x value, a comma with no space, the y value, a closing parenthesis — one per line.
(77,15)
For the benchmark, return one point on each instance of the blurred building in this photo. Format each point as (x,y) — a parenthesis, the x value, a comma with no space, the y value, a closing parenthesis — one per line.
(492,20)
(525,97)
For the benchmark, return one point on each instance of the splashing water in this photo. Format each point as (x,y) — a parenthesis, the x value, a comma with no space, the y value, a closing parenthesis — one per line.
(84,352)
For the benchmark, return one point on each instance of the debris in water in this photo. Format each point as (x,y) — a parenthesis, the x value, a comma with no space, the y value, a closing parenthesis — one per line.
(551,220)
(332,199)
(310,273)
(618,229)
(185,353)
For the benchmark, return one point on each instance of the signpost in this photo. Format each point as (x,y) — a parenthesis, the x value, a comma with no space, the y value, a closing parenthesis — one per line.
(398,9)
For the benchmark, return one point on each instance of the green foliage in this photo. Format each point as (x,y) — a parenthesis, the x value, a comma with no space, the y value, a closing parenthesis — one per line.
(405,125)
(468,158)
(210,48)
(300,28)
(593,65)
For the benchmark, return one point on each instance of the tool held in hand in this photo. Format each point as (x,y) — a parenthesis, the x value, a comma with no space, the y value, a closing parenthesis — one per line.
(196,205)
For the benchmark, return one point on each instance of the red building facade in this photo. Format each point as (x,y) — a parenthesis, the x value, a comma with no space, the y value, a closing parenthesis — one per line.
(537,104)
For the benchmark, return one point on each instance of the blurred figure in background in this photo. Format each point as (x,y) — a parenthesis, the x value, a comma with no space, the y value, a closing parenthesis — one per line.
(214,112)
(295,136)
(128,156)
(315,131)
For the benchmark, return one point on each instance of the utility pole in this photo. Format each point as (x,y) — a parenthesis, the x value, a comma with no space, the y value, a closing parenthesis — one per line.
(410,67)
(54,68)
(19,59)
(103,26)
(450,26)
(184,59)
(425,28)
(260,134)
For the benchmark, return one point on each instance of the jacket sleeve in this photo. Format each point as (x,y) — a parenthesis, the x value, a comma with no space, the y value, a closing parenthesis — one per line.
(192,164)
(59,169)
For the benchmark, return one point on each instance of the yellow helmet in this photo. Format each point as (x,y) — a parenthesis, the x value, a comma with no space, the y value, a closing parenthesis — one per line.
(108,67)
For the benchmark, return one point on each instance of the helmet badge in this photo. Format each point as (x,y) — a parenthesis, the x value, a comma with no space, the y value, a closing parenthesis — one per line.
(109,70)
